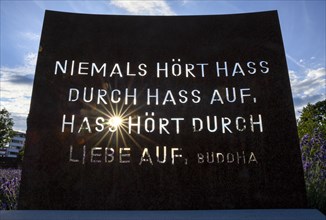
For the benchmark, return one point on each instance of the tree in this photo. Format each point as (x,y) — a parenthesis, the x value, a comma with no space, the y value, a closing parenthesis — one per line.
(313,117)
(6,131)
(312,133)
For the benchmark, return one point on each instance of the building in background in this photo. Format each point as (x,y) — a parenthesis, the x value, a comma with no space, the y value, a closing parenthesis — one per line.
(9,155)
(14,146)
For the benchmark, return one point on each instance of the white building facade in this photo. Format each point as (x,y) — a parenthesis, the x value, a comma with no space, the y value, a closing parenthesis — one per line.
(14,146)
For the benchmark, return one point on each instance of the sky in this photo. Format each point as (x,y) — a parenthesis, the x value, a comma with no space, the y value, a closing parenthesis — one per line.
(302,24)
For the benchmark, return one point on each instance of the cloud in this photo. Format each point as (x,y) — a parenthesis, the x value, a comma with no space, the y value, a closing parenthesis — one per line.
(311,83)
(30,36)
(27,79)
(308,87)
(303,101)
(158,7)
(299,64)
(16,89)
(30,59)
(21,74)
(19,122)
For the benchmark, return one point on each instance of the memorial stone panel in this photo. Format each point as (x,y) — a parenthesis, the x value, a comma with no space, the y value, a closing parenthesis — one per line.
(161,113)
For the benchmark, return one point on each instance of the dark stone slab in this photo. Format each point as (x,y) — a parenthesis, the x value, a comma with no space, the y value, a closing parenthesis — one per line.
(208,120)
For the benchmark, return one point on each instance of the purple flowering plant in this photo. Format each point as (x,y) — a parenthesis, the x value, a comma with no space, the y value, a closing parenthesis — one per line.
(313,149)
(9,188)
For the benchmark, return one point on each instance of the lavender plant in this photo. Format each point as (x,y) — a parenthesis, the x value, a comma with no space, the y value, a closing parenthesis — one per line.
(313,148)
(9,188)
